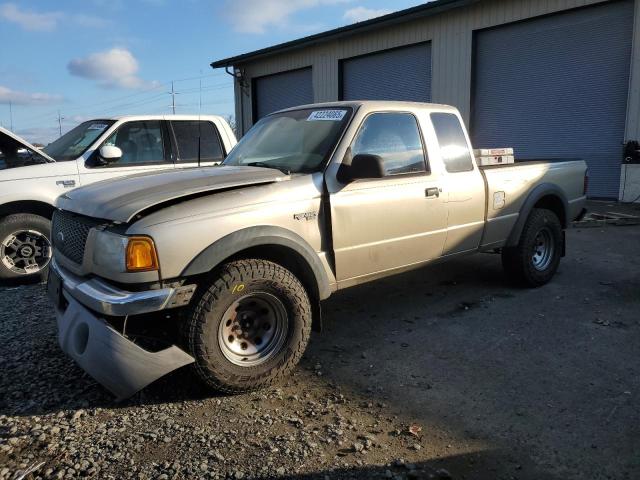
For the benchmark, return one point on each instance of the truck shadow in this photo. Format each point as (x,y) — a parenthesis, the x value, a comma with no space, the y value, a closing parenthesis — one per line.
(481,465)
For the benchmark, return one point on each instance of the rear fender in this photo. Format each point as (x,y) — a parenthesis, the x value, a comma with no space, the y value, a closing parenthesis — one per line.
(539,192)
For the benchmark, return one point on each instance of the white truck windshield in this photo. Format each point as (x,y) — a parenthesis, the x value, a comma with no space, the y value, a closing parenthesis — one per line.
(76,141)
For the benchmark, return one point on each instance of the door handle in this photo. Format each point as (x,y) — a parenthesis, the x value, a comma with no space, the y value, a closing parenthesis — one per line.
(433,192)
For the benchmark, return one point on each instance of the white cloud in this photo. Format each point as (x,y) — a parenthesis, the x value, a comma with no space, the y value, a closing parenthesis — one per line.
(360,14)
(29,20)
(17,97)
(47,21)
(115,68)
(256,16)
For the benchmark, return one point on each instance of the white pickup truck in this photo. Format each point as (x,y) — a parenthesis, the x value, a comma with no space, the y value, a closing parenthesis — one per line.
(31,179)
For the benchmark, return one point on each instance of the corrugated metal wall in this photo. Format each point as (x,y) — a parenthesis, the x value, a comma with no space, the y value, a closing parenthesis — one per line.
(282,90)
(399,74)
(557,86)
(451,37)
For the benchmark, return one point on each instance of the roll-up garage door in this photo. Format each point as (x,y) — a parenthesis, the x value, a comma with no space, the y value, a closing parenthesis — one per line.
(399,74)
(282,90)
(557,87)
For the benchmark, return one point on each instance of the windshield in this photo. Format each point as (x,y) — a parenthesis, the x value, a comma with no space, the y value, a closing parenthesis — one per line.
(297,141)
(75,142)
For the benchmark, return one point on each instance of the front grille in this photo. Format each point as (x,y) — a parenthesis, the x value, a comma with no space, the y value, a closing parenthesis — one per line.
(69,233)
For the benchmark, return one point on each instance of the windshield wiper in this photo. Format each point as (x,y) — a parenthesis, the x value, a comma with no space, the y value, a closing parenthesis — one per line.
(267,165)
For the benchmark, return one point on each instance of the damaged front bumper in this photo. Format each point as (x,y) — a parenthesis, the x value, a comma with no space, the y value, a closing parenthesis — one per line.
(113,360)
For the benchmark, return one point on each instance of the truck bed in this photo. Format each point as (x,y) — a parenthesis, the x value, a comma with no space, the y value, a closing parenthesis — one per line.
(508,186)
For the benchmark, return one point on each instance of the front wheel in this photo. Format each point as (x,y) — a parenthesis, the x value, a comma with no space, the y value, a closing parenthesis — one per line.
(534,261)
(250,327)
(25,248)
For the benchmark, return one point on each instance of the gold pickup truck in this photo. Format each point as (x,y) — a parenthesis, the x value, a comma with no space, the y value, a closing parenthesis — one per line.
(224,268)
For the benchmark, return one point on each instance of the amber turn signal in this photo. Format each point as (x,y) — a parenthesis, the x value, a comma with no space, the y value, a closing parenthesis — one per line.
(141,255)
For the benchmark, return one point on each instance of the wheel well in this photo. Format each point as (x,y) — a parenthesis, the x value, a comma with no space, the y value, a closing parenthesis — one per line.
(296,264)
(27,206)
(555,204)
(288,258)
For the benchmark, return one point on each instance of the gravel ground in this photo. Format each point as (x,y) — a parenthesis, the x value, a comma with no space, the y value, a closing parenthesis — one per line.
(447,372)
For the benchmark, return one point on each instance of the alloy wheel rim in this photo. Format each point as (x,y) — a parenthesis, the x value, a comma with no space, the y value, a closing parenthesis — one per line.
(253,329)
(543,250)
(25,252)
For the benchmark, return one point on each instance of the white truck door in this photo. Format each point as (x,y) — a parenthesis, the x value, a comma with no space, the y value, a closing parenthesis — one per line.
(391,222)
(145,146)
(464,185)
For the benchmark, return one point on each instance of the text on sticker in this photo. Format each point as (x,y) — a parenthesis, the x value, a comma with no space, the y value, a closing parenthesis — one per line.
(333,115)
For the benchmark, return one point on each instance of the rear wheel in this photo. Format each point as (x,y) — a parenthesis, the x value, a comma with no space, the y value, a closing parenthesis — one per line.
(25,246)
(250,327)
(534,261)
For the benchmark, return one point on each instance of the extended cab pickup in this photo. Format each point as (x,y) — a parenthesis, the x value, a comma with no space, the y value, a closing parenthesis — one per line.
(224,268)
(31,179)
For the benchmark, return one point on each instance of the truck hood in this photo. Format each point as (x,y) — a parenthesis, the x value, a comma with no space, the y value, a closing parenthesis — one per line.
(10,139)
(37,171)
(121,199)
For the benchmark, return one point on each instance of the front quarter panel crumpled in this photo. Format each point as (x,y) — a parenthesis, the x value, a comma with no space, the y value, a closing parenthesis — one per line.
(182,231)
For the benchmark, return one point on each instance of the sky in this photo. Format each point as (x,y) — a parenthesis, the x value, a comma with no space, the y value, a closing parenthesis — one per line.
(82,59)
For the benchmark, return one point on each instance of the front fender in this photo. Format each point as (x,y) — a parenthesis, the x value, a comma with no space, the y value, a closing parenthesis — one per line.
(236,242)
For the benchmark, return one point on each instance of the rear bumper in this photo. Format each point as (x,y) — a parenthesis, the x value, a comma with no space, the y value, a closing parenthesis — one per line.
(114,361)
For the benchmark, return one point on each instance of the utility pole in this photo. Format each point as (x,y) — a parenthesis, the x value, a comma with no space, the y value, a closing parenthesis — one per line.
(173,98)
(60,118)
(10,116)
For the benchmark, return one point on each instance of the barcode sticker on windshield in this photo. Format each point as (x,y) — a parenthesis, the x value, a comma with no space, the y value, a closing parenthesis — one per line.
(333,115)
(97,126)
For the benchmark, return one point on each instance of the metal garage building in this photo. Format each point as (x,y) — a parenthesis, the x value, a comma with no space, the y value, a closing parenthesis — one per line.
(552,78)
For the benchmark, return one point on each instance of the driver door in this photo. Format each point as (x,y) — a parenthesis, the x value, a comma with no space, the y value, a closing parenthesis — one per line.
(384,224)
(145,146)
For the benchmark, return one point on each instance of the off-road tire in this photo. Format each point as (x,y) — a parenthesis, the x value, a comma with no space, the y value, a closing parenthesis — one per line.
(518,261)
(203,321)
(27,221)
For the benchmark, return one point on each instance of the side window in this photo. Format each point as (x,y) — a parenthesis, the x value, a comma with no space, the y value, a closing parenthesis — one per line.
(396,138)
(453,144)
(141,142)
(13,154)
(187,132)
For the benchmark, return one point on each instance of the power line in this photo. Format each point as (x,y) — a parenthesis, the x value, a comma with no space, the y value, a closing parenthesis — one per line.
(123,97)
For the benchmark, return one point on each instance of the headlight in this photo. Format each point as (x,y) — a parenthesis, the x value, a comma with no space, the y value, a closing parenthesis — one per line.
(124,254)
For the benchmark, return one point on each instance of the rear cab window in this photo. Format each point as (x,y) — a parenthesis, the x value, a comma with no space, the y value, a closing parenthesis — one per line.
(454,148)
(188,133)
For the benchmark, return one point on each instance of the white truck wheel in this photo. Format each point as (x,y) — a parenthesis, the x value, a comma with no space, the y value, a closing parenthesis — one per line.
(25,247)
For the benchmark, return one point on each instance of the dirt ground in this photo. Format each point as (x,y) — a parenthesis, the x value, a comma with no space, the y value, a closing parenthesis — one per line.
(494,382)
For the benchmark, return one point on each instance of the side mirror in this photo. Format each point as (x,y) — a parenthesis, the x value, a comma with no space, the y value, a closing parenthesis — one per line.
(363,165)
(109,154)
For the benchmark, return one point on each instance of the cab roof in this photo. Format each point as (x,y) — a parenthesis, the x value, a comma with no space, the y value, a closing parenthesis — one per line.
(379,105)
